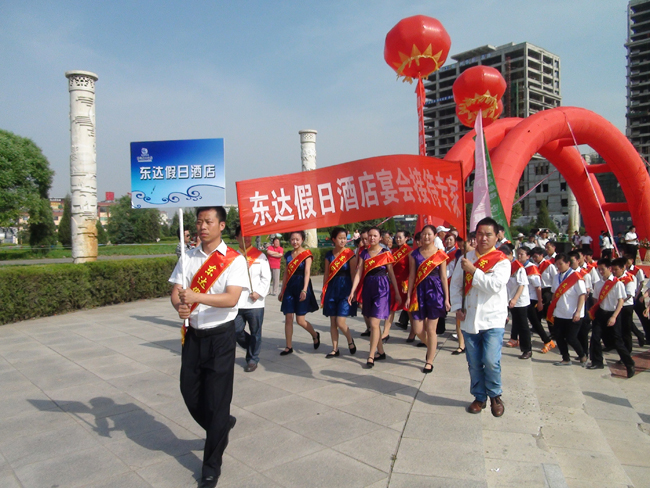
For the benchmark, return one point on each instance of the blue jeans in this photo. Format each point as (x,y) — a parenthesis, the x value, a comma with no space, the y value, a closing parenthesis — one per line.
(251,342)
(483,351)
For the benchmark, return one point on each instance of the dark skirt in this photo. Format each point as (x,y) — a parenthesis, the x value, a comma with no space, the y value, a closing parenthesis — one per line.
(431,299)
(375,296)
(291,299)
(336,303)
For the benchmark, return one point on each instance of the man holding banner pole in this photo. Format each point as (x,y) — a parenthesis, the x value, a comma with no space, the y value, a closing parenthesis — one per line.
(207,285)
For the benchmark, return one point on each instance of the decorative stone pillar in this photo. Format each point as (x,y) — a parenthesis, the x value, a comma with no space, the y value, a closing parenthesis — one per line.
(83,165)
(308,157)
(574,213)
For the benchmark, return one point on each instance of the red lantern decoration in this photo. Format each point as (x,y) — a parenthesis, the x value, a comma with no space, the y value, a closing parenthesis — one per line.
(479,88)
(416,47)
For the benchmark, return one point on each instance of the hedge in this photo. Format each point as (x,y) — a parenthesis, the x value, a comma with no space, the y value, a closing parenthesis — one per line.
(28,292)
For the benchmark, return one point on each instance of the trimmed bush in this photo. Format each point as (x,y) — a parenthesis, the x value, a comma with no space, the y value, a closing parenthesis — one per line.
(28,292)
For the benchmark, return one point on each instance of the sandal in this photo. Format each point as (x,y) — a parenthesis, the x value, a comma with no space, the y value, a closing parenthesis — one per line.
(333,354)
(458,351)
(353,347)
(287,350)
(547,347)
(425,370)
(370,363)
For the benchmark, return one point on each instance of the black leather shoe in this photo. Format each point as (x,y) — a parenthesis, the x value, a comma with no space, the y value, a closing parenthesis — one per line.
(208,482)
(334,354)
(287,350)
(641,340)
(410,339)
(596,366)
(385,339)
(630,371)
(370,363)
(353,347)
(421,344)
(317,343)
(365,334)
(526,355)
(401,325)
(380,357)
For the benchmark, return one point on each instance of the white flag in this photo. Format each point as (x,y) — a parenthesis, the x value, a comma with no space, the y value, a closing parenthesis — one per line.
(481,207)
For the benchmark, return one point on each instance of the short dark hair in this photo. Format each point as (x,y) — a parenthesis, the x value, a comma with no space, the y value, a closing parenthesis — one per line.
(449,234)
(221,212)
(506,249)
(619,263)
(500,228)
(524,249)
(184,230)
(605,262)
(417,235)
(433,229)
(588,252)
(238,231)
(301,233)
(562,257)
(488,221)
(574,254)
(630,257)
(552,243)
(375,228)
(334,233)
(537,251)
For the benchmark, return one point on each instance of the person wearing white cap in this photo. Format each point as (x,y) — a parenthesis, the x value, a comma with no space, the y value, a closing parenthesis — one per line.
(441,232)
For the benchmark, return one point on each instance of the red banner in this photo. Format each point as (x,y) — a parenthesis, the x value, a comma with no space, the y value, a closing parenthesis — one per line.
(352,192)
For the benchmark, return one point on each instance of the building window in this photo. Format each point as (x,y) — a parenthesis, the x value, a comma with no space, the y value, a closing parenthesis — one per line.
(545,188)
(538,204)
(565,202)
(563,186)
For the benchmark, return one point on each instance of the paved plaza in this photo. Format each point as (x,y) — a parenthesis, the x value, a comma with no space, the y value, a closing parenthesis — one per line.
(91,399)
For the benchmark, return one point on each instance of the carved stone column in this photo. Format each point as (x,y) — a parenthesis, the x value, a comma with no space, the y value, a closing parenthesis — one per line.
(308,157)
(83,165)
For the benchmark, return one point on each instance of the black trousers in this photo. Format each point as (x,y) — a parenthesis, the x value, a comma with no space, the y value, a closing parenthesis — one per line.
(207,373)
(520,327)
(533,317)
(628,327)
(566,333)
(601,330)
(404,318)
(547,296)
(585,326)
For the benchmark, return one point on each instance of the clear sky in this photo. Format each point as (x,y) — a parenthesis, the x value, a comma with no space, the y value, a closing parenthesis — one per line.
(257,72)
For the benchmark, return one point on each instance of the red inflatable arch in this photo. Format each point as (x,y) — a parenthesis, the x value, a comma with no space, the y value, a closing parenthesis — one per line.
(513,142)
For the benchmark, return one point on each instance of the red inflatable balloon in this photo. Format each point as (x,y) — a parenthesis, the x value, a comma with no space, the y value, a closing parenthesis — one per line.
(416,47)
(479,88)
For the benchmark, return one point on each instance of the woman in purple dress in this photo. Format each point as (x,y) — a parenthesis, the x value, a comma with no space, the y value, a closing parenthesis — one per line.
(432,292)
(375,276)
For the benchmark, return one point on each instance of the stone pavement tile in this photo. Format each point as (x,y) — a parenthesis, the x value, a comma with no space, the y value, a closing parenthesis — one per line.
(631,451)
(126,480)
(431,426)
(169,365)
(290,408)
(559,415)
(614,429)
(267,370)
(78,469)
(113,366)
(440,457)
(24,450)
(52,378)
(383,382)
(516,447)
(411,371)
(248,424)
(90,351)
(376,449)
(271,448)
(30,352)
(333,427)
(400,480)
(32,400)
(97,333)
(578,483)
(604,406)
(382,410)
(407,394)
(506,472)
(171,441)
(522,422)
(13,381)
(337,395)
(325,469)
(640,476)
(442,403)
(295,382)
(575,436)
(8,480)
(174,472)
(595,467)
(150,388)
(255,481)
(33,422)
(560,398)
(379,484)
(176,411)
(254,392)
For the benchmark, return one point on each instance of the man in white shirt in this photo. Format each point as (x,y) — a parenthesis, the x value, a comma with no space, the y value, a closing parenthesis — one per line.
(542,238)
(251,305)
(535,290)
(639,305)
(501,237)
(610,295)
(483,314)
(586,241)
(628,327)
(441,233)
(566,310)
(577,263)
(631,241)
(518,301)
(208,357)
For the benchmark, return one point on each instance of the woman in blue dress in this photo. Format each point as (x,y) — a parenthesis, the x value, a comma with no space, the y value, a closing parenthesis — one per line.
(337,284)
(432,293)
(297,294)
(375,274)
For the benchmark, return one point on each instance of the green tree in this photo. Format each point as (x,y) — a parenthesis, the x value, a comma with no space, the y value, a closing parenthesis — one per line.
(65,225)
(544,220)
(189,222)
(517,212)
(25,181)
(232,221)
(133,225)
(102,237)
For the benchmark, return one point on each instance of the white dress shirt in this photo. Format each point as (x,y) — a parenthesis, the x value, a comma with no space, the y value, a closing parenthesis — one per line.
(611,300)
(204,316)
(534,282)
(486,303)
(566,305)
(549,274)
(640,278)
(632,238)
(594,274)
(588,283)
(514,283)
(260,273)
(630,290)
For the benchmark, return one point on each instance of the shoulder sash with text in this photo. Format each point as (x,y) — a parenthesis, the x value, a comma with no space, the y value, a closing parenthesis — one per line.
(427,266)
(485,263)
(545,264)
(345,255)
(514,267)
(607,287)
(381,259)
(293,266)
(626,278)
(401,266)
(208,274)
(565,286)
(532,270)
(252,253)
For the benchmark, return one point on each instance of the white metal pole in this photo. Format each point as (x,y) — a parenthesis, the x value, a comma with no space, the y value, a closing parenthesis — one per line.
(181,228)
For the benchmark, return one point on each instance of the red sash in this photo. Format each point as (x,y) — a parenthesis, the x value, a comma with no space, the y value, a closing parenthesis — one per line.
(293,266)
(582,272)
(451,255)
(514,267)
(485,263)
(532,270)
(207,276)
(625,279)
(545,264)
(561,290)
(607,287)
(401,270)
(427,266)
(252,253)
(345,255)
(634,271)
(381,259)
(592,265)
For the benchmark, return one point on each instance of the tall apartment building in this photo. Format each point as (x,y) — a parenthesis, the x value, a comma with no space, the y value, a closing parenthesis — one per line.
(532,76)
(638,75)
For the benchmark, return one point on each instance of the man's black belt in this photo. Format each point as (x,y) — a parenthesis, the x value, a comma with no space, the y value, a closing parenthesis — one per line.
(219,329)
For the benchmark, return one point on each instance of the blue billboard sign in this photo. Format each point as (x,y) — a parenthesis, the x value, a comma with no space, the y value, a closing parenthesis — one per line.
(168,174)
